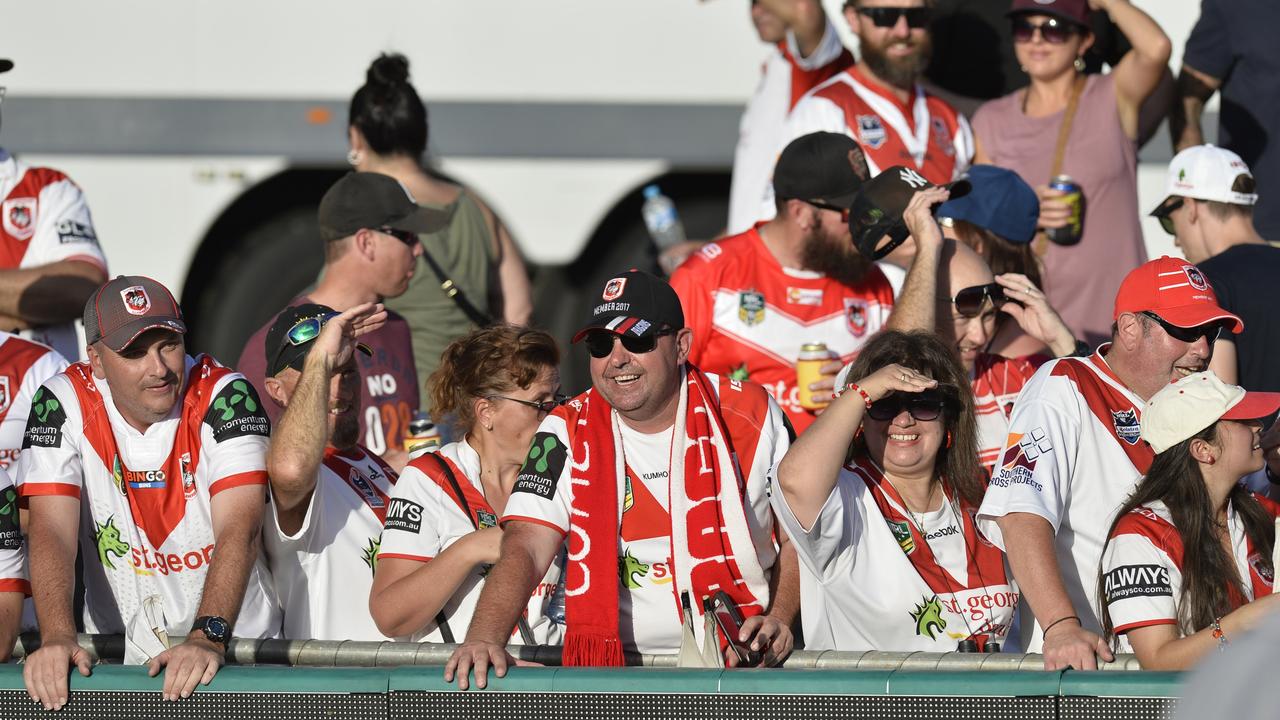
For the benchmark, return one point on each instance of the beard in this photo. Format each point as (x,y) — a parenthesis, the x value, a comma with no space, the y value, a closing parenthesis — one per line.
(834,257)
(901,72)
(346,430)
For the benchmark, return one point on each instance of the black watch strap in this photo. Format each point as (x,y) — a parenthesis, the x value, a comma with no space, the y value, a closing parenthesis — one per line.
(215,628)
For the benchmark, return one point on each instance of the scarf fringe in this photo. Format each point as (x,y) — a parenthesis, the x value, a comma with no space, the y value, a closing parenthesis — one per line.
(592,649)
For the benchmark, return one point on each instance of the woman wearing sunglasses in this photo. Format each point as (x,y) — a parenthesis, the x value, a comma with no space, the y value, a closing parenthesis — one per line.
(1188,563)
(1065,123)
(441,532)
(878,498)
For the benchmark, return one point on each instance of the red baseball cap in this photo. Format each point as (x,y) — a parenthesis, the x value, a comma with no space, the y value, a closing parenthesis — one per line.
(1175,290)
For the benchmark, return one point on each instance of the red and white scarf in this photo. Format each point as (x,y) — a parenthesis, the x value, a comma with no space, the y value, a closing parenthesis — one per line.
(711,546)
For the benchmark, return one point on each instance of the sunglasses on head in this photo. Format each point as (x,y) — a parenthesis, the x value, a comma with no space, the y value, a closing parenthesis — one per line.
(1209,331)
(542,406)
(887,17)
(844,212)
(1166,222)
(303,332)
(924,407)
(970,300)
(600,342)
(1054,31)
(405,236)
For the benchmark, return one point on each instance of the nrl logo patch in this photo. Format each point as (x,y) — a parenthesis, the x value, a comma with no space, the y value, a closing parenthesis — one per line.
(20,217)
(751,307)
(136,300)
(1126,425)
(871,131)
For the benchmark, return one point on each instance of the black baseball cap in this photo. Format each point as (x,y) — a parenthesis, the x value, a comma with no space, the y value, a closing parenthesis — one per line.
(281,352)
(124,308)
(823,167)
(373,200)
(634,303)
(5,65)
(875,218)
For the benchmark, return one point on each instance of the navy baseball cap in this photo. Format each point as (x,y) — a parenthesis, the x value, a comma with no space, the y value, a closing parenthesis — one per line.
(998,201)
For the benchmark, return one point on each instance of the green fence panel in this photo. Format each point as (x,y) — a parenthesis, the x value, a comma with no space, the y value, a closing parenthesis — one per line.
(805,682)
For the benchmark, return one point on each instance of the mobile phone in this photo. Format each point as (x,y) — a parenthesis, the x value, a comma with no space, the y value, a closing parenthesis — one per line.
(729,619)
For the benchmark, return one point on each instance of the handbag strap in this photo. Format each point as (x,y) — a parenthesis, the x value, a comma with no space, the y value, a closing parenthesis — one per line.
(1060,149)
(450,288)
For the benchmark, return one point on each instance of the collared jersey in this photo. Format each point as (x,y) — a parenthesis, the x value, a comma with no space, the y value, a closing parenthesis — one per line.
(997,381)
(1072,456)
(324,571)
(24,366)
(784,78)
(424,519)
(750,315)
(860,589)
(1142,569)
(44,219)
(145,498)
(649,610)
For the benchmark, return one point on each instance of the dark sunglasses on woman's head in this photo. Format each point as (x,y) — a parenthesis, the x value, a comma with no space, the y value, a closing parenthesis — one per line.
(923,406)
(404,236)
(969,301)
(1054,31)
(887,17)
(1209,331)
(600,342)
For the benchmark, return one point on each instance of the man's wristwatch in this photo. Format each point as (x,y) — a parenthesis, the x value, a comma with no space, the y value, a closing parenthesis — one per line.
(216,629)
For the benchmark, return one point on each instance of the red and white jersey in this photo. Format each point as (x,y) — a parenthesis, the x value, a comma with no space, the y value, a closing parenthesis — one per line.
(784,78)
(1072,456)
(324,571)
(425,518)
(44,219)
(928,134)
(145,498)
(24,366)
(875,577)
(750,315)
(997,380)
(1142,569)
(646,571)
(13,556)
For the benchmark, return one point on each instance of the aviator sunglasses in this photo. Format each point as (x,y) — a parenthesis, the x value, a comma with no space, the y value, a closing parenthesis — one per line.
(924,407)
(887,17)
(600,342)
(969,301)
(1054,32)
(1209,332)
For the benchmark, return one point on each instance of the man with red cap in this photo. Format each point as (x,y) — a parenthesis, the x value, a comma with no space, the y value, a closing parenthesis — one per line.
(1074,453)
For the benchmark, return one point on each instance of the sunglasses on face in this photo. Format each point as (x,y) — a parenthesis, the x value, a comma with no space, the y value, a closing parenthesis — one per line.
(1165,216)
(600,342)
(844,212)
(970,300)
(887,17)
(404,236)
(922,407)
(542,406)
(1209,332)
(1054,32)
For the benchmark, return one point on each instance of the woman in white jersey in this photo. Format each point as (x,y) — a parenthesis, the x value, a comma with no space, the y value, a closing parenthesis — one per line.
(1188,564)
(441,533)
(878,497)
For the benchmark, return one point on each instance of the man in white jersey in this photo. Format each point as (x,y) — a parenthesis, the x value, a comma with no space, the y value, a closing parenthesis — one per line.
(50,260)
(24,366)
(657,476)
(1073,453)
(329,494)
(152,459)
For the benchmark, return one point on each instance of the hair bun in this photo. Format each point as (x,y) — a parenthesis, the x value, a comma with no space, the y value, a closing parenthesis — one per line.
(392,69)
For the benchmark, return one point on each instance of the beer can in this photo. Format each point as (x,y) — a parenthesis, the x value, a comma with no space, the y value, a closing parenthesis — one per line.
(808,370)
(1070,233)
(422,435)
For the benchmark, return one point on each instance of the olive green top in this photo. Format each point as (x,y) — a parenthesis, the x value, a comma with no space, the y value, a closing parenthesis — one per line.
(464,250)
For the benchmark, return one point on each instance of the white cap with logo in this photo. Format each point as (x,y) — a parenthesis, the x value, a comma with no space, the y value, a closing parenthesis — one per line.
(1182,409)
(1207,172)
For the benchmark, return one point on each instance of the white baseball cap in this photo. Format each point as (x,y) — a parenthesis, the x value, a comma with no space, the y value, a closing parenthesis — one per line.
(1206,172)
(1193,403)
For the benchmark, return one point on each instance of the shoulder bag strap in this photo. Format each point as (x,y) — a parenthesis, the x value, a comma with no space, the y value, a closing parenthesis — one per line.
(454,292)
(1060,150)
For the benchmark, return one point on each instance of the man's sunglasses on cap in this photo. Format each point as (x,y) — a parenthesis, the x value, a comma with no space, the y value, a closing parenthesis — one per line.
(600,342)
(923,406)
(1164,212)
(1209,331)
(969,301)
(307,329)
(887,17)
(1054,31)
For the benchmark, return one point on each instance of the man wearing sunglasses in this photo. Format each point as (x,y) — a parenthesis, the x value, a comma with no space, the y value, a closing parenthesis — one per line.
(754,299)
(1209,213)
(681,457)
(880,103)
(155,462)
(1073,454)
(369,224)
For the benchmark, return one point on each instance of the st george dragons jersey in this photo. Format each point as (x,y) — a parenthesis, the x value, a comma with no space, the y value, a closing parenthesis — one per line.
(24,366)
(997,380)
(145,498)
(750,315)
(324,571)
(1072,456)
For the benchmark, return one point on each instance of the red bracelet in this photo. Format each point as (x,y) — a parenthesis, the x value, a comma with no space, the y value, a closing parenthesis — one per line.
(854,386)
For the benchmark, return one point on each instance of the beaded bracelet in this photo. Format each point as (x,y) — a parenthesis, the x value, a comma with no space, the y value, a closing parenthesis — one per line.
(853,386)
(1220,636)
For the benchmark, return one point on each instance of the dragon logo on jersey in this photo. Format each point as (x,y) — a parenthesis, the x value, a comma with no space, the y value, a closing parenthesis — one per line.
(902,533)
(855,312)
(941,138)
(20,217)
(136,300)
(236,412)
(740,373)
(1126,425)
(10,530)
(370,555)
(107,537)
(751,307)
(4,393)
(871,131)
(1256,561)
(928,617)
(629,568)
(188,479)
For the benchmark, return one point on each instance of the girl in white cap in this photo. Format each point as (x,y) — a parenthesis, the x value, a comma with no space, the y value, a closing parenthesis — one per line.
(1190,552)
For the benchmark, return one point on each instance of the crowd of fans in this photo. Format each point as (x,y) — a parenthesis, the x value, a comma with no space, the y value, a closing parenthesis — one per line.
(1011,441)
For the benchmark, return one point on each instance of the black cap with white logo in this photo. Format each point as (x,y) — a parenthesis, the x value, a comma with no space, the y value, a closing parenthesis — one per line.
(634,303)
(822,167)
(875,219)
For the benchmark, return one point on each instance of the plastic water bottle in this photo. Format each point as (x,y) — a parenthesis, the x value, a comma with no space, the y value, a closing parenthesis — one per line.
(423,436)
(555,606)
(660,217)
